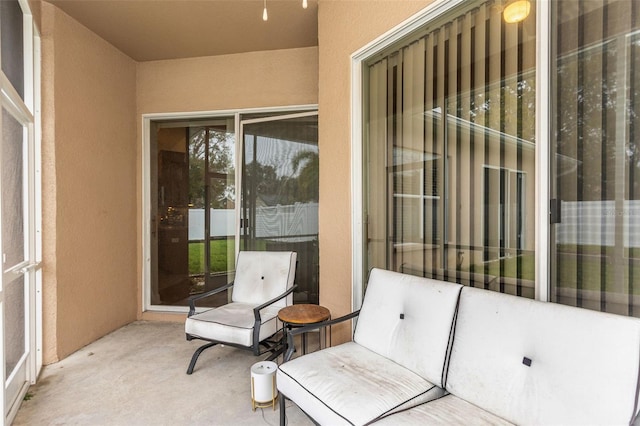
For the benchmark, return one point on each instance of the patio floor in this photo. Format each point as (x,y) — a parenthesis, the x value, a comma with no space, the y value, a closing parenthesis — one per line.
(136,376)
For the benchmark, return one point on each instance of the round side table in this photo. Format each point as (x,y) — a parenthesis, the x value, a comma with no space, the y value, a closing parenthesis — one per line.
(301,315)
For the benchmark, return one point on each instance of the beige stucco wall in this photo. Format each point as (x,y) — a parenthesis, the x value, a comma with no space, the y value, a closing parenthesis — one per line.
(93,101)
(89,186)
(343,28)
(248,80)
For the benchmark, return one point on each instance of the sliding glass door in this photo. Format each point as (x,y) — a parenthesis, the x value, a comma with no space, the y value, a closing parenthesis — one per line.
(280,192)
(449,161)
(459,119)
(596,185)
(20,230)
(200,215)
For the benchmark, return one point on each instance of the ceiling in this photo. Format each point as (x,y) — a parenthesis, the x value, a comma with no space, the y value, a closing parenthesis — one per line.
(148,30)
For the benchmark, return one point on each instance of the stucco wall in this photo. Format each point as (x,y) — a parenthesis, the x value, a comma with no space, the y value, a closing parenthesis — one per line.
(93,100)
(343,28)
(89,189)
(247,80)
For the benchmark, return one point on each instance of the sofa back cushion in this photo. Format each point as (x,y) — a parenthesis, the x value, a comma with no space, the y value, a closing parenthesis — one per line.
(543,363)
(264,275)
(409,320)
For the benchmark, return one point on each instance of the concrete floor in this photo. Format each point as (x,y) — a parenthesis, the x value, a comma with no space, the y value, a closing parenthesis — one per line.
(136,376)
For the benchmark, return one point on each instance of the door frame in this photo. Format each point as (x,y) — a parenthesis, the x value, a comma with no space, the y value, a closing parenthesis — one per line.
(26,110)
(145,212)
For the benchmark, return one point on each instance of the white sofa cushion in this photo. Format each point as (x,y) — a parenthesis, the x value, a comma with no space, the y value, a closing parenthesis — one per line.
(262,276)
(584,364)
(448,410)
(349,384)
(409,320)
(233,323)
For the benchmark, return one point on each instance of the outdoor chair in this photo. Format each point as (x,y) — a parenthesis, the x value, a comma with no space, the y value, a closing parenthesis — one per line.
(263,285)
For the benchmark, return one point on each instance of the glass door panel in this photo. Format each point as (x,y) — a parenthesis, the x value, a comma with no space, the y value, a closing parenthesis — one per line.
(20,214)
(11,42)
(193,210)
(280,192)
(212,195)
(449,155)
(14,217)
(596,164)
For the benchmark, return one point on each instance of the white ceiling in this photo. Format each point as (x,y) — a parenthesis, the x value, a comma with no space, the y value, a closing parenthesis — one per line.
(148,30)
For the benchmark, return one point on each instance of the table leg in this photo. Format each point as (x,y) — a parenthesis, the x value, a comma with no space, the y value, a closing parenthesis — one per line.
(284,343)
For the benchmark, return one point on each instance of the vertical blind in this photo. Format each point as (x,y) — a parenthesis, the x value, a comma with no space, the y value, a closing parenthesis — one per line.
(450,171)
(597,184)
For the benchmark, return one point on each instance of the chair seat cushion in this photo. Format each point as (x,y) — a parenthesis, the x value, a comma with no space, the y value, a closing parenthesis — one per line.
(232,323)
(349,384)
(448,410)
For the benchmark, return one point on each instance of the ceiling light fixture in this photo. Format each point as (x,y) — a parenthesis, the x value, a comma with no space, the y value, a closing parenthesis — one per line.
(265,15)
(516,11)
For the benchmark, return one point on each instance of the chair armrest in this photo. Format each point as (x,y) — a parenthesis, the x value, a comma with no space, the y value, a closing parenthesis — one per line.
(257,309)
(258,319)
(192,300)
(310,327)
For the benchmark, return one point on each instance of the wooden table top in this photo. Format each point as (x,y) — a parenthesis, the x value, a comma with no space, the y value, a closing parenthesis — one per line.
(304,314)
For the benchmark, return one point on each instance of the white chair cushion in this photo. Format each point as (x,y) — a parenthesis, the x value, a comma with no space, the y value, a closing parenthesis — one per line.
(584,364)
(419,340)
(448,410)
(233,323)
(262,276)
(349,384)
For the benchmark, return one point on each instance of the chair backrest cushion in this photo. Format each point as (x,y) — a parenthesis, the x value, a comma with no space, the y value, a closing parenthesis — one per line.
(408,319)
(264,275)
(543,363)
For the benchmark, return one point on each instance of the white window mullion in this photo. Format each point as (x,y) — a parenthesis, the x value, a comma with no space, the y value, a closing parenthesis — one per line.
(543,116)
(36,325)
(27,27)
(13,103)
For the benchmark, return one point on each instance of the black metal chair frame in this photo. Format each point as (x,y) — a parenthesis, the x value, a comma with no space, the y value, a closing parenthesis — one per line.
(274,346)
(291,349)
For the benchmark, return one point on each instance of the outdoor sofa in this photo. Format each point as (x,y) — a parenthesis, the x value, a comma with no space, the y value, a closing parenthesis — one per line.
(430,352)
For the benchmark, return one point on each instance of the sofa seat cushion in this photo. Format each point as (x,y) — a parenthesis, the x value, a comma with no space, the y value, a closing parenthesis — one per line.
(448,410)
(543,363)
(349,384)
(408,320)
(232,323)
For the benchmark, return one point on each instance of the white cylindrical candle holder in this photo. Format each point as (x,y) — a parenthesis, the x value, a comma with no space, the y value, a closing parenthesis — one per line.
(263,385)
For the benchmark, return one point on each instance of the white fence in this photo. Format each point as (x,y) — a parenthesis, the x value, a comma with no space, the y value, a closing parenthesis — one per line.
(271,222)
(594,223)
(583,222)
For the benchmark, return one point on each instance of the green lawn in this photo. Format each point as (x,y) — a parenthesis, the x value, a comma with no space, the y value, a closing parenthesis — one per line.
(222,254)
(522,266)
(589,262)
(595,265)
(221,250)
